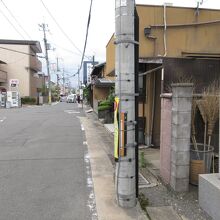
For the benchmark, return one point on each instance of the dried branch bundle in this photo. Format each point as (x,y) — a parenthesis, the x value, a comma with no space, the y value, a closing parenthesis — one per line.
(211,104)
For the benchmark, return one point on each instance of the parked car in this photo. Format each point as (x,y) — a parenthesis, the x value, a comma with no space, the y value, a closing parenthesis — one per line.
(71,98)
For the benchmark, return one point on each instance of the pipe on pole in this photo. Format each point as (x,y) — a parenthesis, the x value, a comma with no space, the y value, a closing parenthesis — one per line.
(125,91)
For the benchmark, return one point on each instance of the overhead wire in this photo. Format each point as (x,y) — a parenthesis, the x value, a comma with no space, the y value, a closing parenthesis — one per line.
(12,24)
(59,26)
(21,52)
(15,19)
(86,38)
(87,32)
(69,51)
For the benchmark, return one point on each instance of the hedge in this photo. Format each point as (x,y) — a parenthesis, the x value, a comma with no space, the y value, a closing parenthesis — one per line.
(28,100)
(104,107)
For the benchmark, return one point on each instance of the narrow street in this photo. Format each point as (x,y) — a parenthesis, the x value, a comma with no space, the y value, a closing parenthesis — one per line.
(44,170)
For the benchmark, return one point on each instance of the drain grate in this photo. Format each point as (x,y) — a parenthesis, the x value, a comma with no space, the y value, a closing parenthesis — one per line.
(144,183)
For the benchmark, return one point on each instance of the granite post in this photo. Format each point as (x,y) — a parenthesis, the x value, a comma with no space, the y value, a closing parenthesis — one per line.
(180,136)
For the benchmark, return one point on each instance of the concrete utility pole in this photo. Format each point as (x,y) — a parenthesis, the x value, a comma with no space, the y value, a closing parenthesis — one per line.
(64,88)
(78,78)
(125,91)
(44,29)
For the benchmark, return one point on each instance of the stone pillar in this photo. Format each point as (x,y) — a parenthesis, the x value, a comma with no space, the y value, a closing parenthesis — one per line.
(165,136)
(180,136)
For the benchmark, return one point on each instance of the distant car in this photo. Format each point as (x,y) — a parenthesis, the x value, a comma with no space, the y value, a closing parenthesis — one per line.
(71,98)
(63,98)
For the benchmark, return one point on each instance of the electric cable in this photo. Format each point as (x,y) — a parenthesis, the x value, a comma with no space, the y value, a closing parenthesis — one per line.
(65,49)
(70,51)
(17,51)
(12,24)
(87,32)
(86,38)
(59,26)
(15,19)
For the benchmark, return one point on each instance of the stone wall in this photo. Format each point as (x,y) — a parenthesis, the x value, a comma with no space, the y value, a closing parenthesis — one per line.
(165,137)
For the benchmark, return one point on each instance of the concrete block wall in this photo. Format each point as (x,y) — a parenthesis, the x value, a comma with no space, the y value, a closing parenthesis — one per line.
(180,136)
(165,137)
(209,194)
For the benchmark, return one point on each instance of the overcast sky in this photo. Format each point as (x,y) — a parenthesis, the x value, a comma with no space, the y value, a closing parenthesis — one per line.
(72,16)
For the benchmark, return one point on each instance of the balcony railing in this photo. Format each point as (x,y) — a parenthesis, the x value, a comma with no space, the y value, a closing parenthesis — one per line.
(35,64)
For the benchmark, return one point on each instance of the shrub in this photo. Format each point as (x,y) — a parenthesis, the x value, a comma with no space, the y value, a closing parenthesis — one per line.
(28,100)
(105,102)
(104,107)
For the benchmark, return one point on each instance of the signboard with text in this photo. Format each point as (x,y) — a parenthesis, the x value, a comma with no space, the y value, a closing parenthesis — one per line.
(14,83)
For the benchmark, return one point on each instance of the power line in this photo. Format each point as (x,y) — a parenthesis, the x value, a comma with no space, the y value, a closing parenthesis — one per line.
(15,19)
(12,24)
(70,51)
(86,38)
(87,32)
(58,25)
(65,49)
(17,51)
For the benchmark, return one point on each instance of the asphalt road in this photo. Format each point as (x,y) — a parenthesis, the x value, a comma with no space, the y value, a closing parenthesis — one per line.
(44,167)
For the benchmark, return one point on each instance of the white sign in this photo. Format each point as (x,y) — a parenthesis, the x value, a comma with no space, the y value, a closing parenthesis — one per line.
(14,82)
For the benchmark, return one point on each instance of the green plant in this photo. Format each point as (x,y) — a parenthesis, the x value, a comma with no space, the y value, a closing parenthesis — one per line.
(109,102)
(142,160)
(86,93)
(143,201)
(28,100)
(44,91)
(105,102)
(104,107)
(55,93)
(111,96)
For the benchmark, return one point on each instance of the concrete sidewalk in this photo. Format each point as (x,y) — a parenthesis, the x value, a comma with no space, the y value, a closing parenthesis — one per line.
(103,174)
(109,128)
(100,146)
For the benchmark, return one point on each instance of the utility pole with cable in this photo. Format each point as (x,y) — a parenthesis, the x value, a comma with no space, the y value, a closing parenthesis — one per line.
(125,91)
(44,28)
(64,89)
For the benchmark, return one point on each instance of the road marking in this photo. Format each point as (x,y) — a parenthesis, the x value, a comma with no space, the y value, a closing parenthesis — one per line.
(2,119)
(91,203)
(82,128)
(71,112)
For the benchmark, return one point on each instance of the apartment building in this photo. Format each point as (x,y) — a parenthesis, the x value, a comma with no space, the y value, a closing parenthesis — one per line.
(19,61)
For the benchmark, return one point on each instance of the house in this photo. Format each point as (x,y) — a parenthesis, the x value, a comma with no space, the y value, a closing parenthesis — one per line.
(3,76)
(19,61)
(174,43)
(101,84)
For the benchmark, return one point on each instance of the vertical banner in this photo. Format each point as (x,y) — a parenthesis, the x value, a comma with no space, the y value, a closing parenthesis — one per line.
(116,128)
